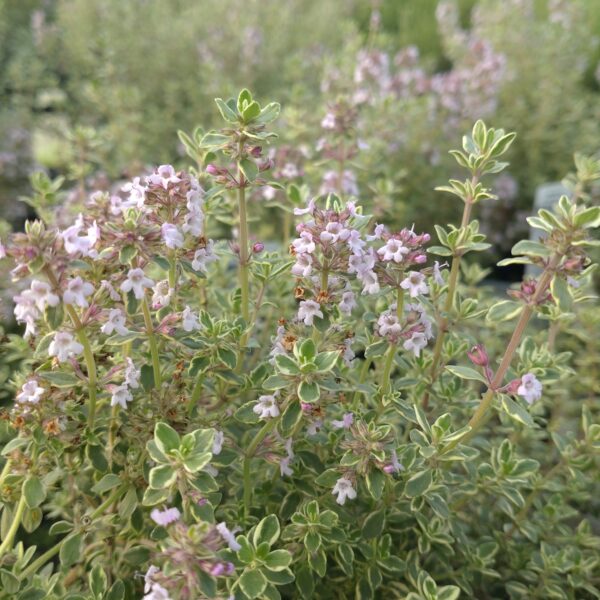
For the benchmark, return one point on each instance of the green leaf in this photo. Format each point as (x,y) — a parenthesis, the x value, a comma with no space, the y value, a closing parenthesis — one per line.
(503,311)
(305,582)
(516,411)
(561,292)
(325,361)
(70,549)
(290,418)
(376,349)
(418,484)
(345,558)
(373,525)
(226,111)
(166,438)
(267,531)
(268,114)
(309,392)
(588,218)
(278,560)
(306,351)
(98,581)
(162,476)
(244,98)
(196,462)
(312,541)
(249,168)
(116,591)
(328,478)
(466,373)
(251,111)
(60,527)
(286,365)
(252,583)
(318,562)
(147,377)
(375,483)
(34,491)
(530,248)
(59,379)
(108,482)
(448,592)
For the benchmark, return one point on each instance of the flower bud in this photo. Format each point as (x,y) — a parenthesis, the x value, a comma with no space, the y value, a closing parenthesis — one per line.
(513,386)
(212,169)
(258,247)
(478,356)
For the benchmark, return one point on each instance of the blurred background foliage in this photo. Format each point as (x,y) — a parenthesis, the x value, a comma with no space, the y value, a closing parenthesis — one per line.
(96,90)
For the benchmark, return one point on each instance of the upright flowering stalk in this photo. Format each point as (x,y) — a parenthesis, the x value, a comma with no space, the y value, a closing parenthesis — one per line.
(241,144)
(479,156)
(561,253)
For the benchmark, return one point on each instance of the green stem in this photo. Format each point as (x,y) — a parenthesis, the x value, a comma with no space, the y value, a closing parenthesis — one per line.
(41,560)
(16,522)
(449,304)
(196,394)
(243,229)
(480,415)
(112,498)
(387,369)
(153,344)
(5,470)
(88,355)
(249,454)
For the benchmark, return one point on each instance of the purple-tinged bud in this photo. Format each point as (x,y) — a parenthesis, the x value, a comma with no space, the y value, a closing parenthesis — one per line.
(425,237)
(306,406)
(420,259)
(217,570)
(513,386)
(212,169)
(479,356)
(258,247)
(389,469)
(256,151)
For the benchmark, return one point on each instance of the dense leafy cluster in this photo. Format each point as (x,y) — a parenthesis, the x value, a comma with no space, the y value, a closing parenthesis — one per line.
(199,417)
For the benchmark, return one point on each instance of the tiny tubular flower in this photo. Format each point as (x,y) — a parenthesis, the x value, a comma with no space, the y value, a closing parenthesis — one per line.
(165,517)
(393,250)
(171,235)
(266,407)
(530,388)
(308,310)
(304,244)
(136,282)
(189,320)
(229,537)
(415,284)
(115,322)
(63,346)
(77,292)
(121,396)
(344,490)
(345,422)
(30,392)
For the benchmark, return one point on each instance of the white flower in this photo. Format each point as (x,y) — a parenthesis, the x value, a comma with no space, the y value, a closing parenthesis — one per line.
(377,233)
(393,250)
(309,309)
(328,121)
(415,284)
(354,241)
(132,374)
(115,322)
(137,195)
(304,244)
(303,265)
(416,343)
(343,488)
(530,388)
(218,442)
(76,243)
(361,264)
(229,537)
(333,232)
(194,221)
(164,175)
(189,320)
(348,354)
(266,407)
(77,292)
(388,324)
(345,423)
(172,237)
(203,256)
(165,517)
(26,311)
(310,207)
(437,274)
(370,282)
(347,303)
(152,570)
(284,466)
(136,281)
(30,392)
(162,294)
(121,396)
(63,346)
(41,293)
(157,592)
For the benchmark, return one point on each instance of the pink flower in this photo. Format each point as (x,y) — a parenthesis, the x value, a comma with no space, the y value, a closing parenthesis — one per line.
(77,292)
(530,388)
